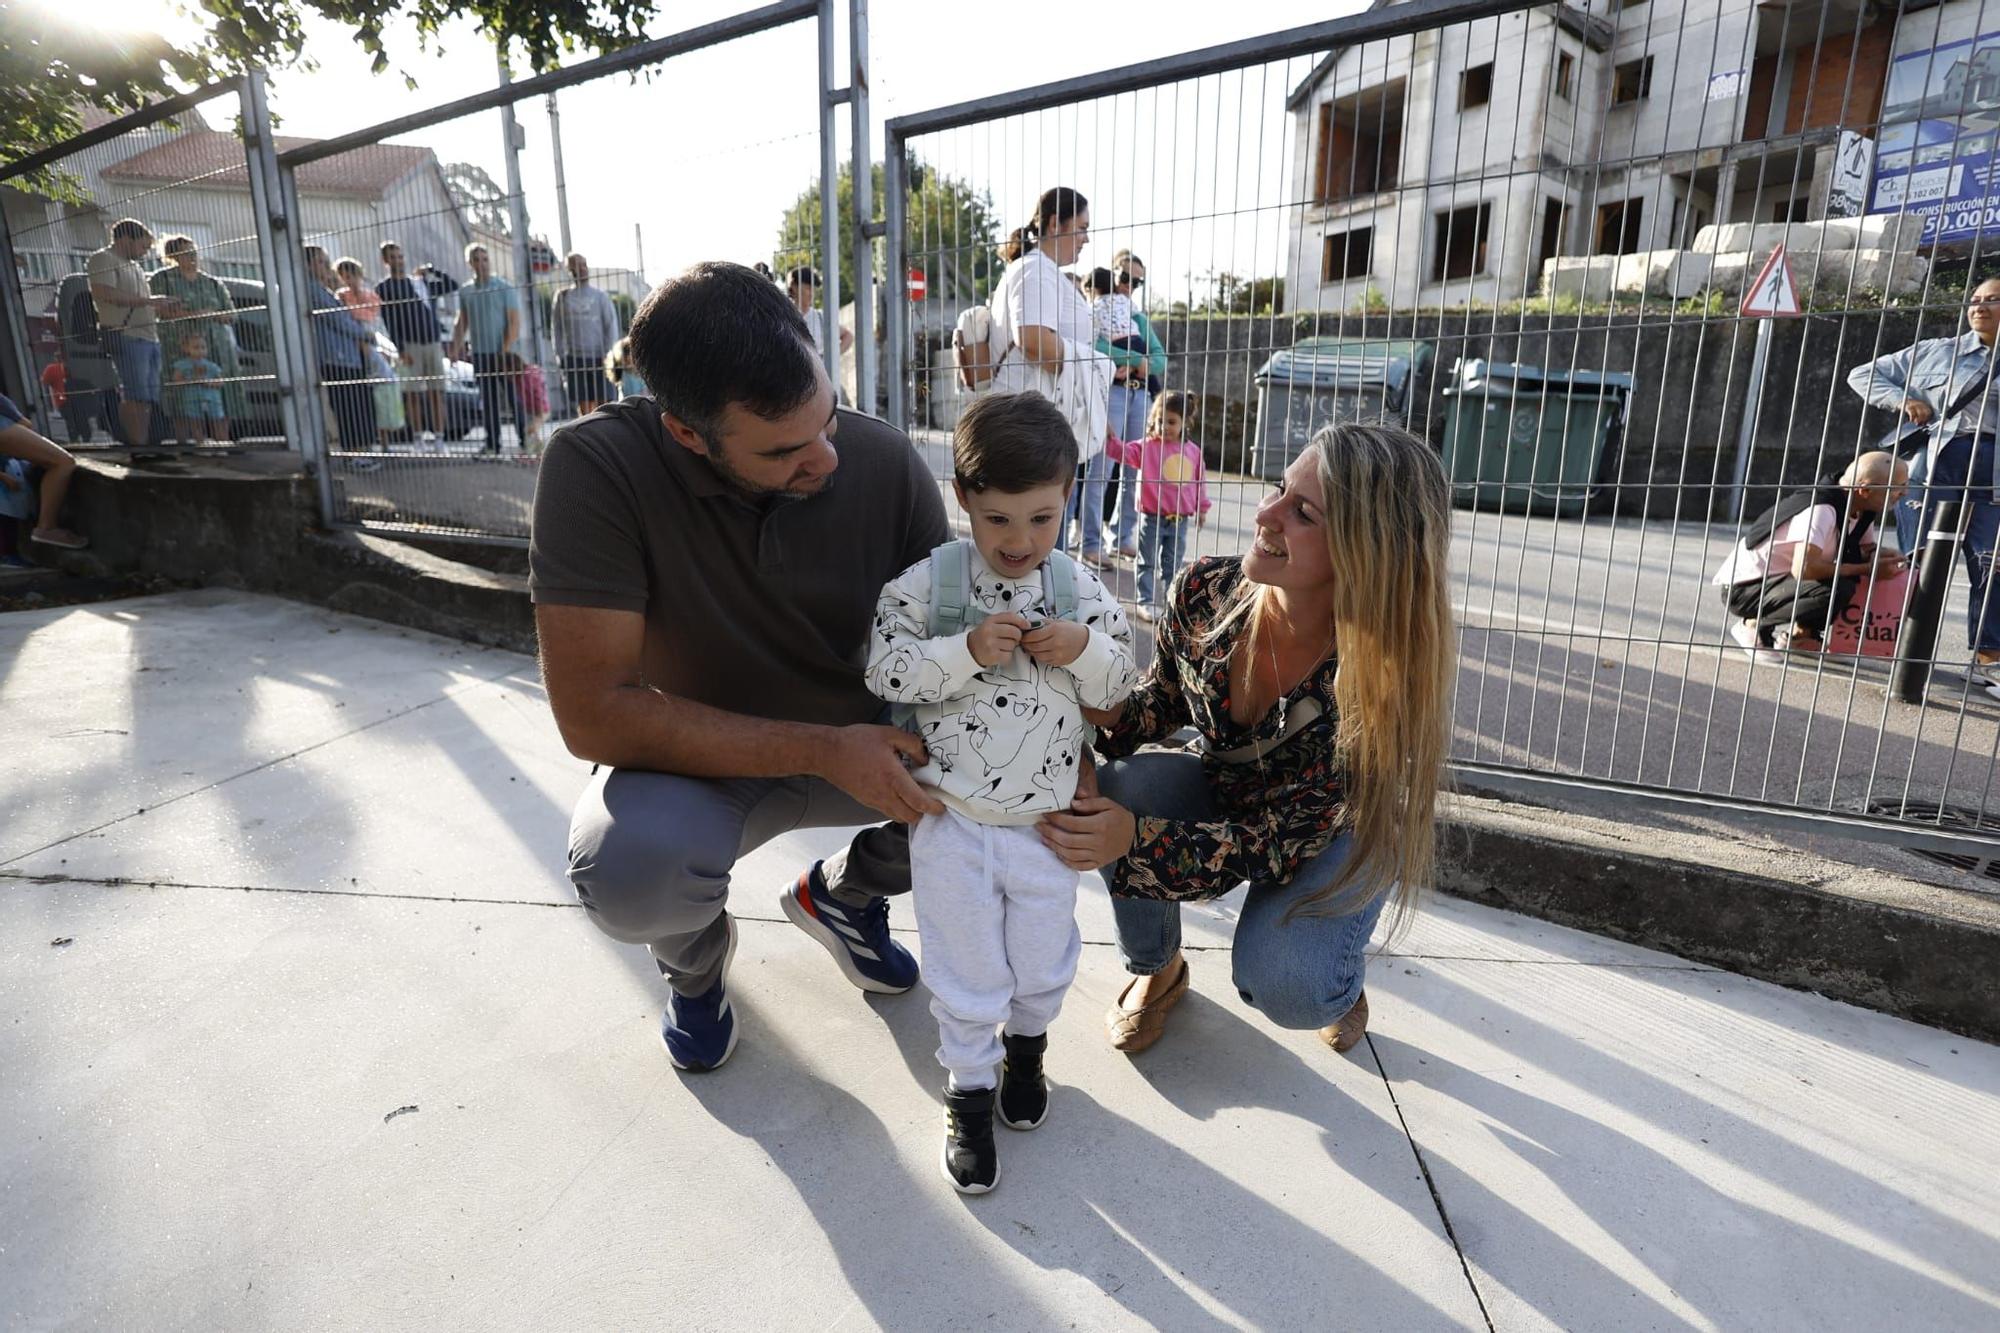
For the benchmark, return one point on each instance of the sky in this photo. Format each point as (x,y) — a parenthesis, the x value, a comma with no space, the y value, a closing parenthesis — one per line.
(706,155)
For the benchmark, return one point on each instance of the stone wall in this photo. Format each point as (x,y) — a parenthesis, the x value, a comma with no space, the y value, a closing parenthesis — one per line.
(1691,374)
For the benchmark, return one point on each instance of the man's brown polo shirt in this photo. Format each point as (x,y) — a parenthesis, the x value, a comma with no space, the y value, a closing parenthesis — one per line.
(758,607)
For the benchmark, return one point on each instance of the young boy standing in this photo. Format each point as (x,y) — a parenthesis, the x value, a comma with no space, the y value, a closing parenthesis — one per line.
(997,643)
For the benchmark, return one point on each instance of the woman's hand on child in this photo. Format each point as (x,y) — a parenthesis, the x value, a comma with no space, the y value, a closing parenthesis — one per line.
(1093,832)
(994,640)
(1057,643)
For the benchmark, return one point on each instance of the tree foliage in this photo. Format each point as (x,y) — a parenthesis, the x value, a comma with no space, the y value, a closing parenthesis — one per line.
(950,233)
(58,60)
(1225,293)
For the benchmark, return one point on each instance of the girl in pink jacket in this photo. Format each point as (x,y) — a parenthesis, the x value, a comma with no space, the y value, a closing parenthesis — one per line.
(1172,491)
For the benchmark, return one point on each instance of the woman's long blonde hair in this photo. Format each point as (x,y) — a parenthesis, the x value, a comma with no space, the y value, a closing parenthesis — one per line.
(1388,531)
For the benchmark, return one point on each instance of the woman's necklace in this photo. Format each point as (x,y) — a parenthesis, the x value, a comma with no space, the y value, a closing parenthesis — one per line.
(1278,679)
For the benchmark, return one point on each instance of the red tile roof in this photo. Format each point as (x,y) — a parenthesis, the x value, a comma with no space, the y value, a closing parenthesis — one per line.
(216,159)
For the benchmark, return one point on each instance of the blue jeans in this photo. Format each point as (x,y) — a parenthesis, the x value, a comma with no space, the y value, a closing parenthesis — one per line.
(1163,541)
(1962,470)
(1129,405)
(1304,973)
(1089,493)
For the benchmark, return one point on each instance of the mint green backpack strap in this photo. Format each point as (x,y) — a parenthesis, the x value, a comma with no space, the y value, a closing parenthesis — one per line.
(1060,601)
(1059,586)
(951,590)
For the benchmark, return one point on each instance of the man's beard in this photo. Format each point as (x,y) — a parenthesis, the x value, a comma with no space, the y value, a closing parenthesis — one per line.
(718,458)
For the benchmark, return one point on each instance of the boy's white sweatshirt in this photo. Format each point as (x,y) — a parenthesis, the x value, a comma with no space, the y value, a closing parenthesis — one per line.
(1004,739)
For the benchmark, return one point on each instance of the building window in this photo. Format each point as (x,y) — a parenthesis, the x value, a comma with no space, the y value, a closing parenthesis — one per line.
(1347,254)
(1360,144)
(1475,86)
(1632,81)
(1565,76)
(1554,220)
(1619,227)
(1459,249)
(1790,210)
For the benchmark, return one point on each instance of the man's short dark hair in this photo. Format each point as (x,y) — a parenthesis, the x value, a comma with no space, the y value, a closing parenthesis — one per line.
(386,246)
(130,229)
(721,334)
(1013,442)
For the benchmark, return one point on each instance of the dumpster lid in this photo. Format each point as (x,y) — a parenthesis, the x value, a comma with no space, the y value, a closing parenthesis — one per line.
(1479,375)
(1347,362)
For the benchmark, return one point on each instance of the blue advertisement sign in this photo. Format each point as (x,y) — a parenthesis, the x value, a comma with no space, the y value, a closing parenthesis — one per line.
(1935,158)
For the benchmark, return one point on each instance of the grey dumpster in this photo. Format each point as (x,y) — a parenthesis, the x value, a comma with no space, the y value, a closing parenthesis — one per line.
(1522,439)
(1323,380)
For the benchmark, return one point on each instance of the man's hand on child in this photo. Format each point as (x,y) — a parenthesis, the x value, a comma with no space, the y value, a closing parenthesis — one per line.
(1057,643)
(10,481)
(996,638)
(871,764)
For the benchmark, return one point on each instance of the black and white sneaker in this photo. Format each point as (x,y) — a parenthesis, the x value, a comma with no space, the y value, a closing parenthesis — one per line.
(1024,1093)
(971,1162)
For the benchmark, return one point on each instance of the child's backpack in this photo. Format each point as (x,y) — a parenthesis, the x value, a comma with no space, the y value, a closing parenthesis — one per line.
(972,347)
(953,610)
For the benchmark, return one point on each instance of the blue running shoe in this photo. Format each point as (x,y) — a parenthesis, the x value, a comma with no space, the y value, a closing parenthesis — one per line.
(700,1030)
(857,937)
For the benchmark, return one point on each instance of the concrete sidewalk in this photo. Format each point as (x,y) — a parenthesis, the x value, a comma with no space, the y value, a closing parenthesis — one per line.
(300,1026)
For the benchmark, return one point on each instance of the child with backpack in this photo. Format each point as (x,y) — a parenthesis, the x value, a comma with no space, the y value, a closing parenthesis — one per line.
(993,647)
(1173,489)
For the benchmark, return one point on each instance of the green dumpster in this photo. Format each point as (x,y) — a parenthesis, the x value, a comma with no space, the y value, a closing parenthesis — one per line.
(1321,380)
(1521,439)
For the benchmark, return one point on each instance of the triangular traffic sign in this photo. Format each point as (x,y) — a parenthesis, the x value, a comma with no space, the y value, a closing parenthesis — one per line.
(1774,294)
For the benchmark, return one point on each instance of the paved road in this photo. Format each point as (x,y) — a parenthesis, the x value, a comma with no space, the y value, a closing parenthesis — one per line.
(302,1027)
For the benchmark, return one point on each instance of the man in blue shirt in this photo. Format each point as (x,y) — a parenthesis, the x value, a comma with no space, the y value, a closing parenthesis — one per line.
(339,338)
(410,316)
(489,322)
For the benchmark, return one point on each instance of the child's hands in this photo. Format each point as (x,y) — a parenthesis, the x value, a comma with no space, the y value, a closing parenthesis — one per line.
(996,638)
(11,482)
(1057,643)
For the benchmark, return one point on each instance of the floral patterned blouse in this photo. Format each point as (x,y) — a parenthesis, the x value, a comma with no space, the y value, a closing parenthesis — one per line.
(1272,815)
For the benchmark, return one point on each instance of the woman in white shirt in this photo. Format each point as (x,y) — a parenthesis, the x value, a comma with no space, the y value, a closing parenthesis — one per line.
(1043,323)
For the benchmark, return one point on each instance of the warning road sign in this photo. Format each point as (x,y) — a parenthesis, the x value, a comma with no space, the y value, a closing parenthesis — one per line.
(1774,295)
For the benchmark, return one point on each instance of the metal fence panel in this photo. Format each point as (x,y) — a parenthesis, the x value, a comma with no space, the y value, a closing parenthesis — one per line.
(446,439)
(1526,233)
(197,368)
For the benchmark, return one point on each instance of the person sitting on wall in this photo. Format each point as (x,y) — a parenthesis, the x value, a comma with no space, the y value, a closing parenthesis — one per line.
(1801,562)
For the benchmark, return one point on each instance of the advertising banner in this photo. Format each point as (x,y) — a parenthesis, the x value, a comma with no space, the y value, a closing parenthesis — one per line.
(1935,159)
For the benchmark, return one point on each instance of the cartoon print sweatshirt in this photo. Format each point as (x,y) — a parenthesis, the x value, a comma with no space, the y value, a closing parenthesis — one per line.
(1003,740)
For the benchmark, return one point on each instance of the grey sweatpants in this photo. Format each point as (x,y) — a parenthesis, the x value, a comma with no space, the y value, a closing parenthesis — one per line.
(650,856)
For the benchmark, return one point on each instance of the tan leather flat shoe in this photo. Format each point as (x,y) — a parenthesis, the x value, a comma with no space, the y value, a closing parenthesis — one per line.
(1352,1027)
(1134,1028)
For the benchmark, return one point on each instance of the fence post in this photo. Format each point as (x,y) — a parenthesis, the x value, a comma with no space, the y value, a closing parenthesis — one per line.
(281,299)
(829,195)
(20,375)
(517,207)
(1918,640)
(293,281)
(864,210)
(562,181)
(896,311)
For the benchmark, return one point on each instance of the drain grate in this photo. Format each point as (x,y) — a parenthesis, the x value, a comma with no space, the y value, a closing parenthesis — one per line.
(1951,817)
